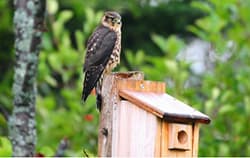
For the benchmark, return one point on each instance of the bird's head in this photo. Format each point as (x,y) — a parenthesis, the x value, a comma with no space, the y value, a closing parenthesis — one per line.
(112,20)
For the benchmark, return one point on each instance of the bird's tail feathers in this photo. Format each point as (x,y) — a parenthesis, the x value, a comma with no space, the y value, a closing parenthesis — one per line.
(84,96)
(90,80)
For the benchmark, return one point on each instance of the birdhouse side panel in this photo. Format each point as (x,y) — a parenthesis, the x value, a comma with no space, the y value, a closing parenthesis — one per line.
(137,132)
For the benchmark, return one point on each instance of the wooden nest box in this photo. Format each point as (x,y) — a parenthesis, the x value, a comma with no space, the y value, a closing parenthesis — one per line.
(139,119)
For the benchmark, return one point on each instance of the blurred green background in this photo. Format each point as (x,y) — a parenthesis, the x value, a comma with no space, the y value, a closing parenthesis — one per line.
(157,37)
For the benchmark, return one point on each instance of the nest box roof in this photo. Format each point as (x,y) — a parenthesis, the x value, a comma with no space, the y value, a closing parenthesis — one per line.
(164,106)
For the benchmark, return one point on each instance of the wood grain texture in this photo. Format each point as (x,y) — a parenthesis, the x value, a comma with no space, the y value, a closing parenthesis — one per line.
(158,138)
(137,132)
(110,110)
(164,141)
(141,86)
(195,142)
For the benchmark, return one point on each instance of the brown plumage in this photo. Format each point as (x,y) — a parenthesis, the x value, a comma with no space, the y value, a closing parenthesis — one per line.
(103,54)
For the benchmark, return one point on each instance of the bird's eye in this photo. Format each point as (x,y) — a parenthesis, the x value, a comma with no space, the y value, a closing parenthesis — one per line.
(109,17)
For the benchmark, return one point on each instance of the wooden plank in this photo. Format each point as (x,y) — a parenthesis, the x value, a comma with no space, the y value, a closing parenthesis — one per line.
(164,141)
(116,128)
(158,138)
(196,129)
(124,134)
(164,106)
(137,133)
(109,111)
(151,134)
(141,86)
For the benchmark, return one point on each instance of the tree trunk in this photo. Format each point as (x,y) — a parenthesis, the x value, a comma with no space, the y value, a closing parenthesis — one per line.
(28,22)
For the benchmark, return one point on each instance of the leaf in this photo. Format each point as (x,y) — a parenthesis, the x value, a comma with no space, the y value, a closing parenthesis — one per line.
(80,39)
(139,57)
(205,7)
(174,44)
(200,33)
(226,96)
(160,42)
(47,151)
(223,149)
(52,6)
(51,81)
(226,109)
(92,18)
(5,147)
(215,93)
(55,62)
(247,104)
(171,66)
(64,16)
(58,25)
(129,55)
(209,105)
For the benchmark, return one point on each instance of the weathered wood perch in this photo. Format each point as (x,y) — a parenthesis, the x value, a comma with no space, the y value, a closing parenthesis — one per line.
(139,119)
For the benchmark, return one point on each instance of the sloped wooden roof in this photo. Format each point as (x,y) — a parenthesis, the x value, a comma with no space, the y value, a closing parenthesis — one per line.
(164,106)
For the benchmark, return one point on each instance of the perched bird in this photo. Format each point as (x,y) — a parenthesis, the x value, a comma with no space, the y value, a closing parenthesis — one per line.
(103,54)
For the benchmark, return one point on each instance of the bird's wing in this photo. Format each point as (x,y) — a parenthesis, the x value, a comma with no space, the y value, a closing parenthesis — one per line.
(91,78)
(99,49)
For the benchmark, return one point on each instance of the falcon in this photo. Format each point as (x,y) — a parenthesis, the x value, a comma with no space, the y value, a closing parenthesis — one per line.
(103,54)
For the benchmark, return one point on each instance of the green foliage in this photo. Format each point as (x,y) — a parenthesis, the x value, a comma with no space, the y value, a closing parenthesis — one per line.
(165,67)
(5,147)
(60,113)
(226,89)
(6,55)
(6,62)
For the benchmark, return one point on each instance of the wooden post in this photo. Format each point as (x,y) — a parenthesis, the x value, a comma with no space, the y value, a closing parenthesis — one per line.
(110,101)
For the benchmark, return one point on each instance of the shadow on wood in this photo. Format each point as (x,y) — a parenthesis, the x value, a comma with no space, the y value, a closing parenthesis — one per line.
(139,119)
